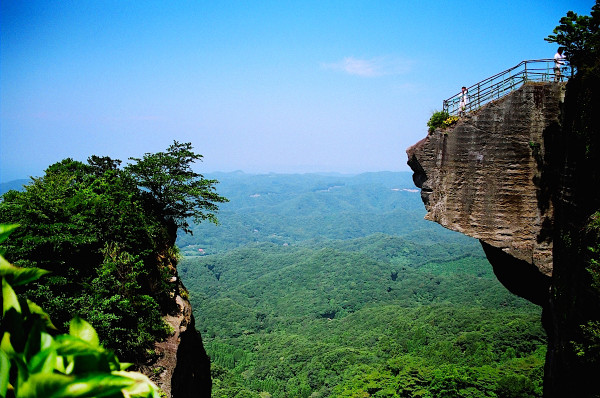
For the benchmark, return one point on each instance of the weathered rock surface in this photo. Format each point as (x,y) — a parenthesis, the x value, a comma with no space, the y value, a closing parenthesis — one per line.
(484,178)
(182,367)
(520,174)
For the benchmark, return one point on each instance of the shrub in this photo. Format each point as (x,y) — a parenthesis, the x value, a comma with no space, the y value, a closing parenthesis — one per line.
(437,120)
(36,364)
(450,121)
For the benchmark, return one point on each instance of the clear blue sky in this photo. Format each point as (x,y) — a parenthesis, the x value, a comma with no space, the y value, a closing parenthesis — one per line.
(258,86)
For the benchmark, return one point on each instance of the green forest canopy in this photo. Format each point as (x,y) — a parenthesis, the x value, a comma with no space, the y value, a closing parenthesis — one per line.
(331,286)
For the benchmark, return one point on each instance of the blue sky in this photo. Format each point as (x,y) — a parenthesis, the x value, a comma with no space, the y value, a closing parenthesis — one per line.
(258,86)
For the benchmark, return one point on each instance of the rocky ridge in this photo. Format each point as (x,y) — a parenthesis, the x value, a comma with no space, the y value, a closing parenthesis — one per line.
(484,178)
(519,175)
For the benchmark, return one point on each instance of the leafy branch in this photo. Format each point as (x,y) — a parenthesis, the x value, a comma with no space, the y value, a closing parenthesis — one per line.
(35,364)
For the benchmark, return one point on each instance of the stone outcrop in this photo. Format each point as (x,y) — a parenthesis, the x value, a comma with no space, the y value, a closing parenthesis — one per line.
(484,178)
(181,367)
(520,175)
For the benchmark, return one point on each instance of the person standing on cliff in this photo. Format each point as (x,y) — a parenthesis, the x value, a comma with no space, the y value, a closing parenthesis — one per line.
(464,101)
(559,63)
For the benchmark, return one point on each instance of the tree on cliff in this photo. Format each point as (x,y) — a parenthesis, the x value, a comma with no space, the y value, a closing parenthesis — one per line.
(580,36)
(177,191)
(106,234)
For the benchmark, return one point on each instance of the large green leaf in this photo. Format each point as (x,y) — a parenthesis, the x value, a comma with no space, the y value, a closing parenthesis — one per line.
(84,357)
(34,340)
(141,386)
(36,309)
(43,362)
(82,329)
(46,359)
(71,345)
(96,385)
(9,298)
(44,385)
(21,366)
(4,373)
(5,230)
(5,344)
(13,326)
(17,276)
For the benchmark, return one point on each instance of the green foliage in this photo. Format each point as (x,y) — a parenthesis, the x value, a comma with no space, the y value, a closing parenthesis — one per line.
(108,241)
(451,121)
(437,120)
(36,364)
(580,37)
(345,310)
(587,346)
(593,231)
(81,221)
(177,191)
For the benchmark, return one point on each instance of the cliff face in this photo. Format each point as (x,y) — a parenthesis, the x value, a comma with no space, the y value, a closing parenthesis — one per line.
(484,178)
(182,368)
(518,175)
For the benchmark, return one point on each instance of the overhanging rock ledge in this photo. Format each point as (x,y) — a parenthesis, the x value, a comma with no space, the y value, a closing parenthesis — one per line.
(485,178)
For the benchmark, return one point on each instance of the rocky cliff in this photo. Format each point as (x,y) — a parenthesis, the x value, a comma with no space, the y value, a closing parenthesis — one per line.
(181,368)
(484,178)
(517,175)
(180,365)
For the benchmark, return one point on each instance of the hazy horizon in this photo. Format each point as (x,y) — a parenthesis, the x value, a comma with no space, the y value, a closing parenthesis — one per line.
(209,173)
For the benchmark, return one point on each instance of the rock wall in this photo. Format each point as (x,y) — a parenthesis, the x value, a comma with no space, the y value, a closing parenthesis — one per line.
(181,368)
(521,175)
(484,177)
(572,317)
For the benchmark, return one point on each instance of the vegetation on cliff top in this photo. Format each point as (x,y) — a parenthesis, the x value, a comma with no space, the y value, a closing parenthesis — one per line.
(36,364)
(107,236)
(580,37)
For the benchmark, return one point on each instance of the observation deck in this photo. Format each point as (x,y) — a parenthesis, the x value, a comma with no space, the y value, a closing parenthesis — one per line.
(501,84)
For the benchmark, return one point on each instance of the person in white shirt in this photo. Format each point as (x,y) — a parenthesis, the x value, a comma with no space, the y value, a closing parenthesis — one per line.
(559,63)
(464,101)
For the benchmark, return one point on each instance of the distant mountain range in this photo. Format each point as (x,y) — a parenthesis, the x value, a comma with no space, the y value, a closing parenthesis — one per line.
(14,184)
(290,208)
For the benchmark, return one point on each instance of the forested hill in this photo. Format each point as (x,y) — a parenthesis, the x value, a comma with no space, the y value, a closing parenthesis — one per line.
(335,286)
(290,208)
(106,234)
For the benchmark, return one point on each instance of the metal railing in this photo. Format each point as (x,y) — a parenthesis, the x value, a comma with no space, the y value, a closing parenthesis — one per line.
(497,86)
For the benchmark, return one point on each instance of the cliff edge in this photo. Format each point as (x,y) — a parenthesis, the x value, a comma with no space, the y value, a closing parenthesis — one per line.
(182,367)
(485,178)
(520,174)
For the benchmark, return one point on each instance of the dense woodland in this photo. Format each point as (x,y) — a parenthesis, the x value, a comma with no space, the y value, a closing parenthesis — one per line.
(312,285)
(107,235)
(335,286)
